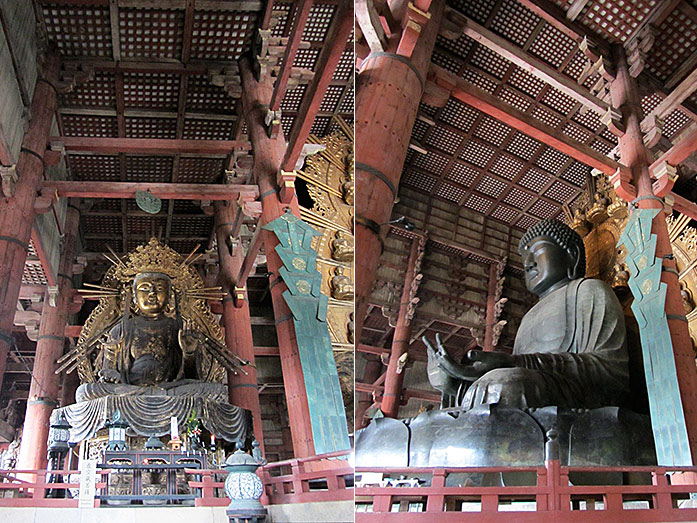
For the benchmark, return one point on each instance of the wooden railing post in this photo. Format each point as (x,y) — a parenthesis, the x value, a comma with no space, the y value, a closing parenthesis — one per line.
(436,500)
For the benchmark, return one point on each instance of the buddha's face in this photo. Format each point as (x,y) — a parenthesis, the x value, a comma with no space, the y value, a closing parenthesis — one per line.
(546,264)
(152,295)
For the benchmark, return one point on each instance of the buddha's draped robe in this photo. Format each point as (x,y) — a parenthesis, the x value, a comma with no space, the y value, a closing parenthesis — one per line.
(570,351)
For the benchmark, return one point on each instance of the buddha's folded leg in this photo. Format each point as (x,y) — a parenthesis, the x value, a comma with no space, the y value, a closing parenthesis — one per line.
(512,387)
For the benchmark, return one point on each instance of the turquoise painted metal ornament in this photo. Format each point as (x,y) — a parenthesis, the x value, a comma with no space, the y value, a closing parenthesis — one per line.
(667,415)
(308,307)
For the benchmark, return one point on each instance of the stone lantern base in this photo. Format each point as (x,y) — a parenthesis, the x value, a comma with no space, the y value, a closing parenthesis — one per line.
(246,511)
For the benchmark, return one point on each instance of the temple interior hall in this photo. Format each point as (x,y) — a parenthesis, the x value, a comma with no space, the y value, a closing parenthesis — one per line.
(476,121)
(194,159)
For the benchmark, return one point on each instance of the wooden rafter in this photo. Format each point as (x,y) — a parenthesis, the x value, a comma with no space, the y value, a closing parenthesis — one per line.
(302,12)
(338,35)
(149,145)
(528,63)
(166,191)
(494,107)
(556,17)
(203,5)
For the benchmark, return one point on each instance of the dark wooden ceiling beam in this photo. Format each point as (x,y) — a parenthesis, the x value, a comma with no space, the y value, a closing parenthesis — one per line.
(302,12)
(201,5)
(166,191)
(335,44)
(529,63)
(148,145)
(556,17)
(467,93)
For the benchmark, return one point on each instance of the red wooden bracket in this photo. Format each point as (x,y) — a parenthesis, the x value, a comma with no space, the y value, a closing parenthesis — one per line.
(415,20)
(622,182)
(239,295)
(666,175)
(249,206)
(286,186)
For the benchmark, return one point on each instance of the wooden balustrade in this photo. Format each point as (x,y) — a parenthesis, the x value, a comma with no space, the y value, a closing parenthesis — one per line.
(550,499)
(16,491)
(310,479)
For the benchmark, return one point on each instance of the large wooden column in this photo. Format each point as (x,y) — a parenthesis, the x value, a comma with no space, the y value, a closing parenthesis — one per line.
(17,213)
(626,99)
(242,388)
(268,155)
(45,384)
(389,87)
(392,395)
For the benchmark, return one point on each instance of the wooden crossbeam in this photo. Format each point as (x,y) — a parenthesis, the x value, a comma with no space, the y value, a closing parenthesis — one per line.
(462,90)
(371,349)
(148,145)
(250,259)
(556,17)
(201,5)
(337,37)
(684,206)
(672,102)
(419,394)
(166,191)
(369,22)
(679,152)
(302,12)
(528,63)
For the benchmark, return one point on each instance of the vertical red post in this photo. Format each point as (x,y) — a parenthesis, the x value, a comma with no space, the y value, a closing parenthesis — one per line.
(394,378)
(242,388)
(268,155)
(389,87)
(45,384)
(633,154)
(17,213)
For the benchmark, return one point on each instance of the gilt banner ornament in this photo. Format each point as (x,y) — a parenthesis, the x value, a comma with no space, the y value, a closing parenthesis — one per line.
(309,310)
(667,416)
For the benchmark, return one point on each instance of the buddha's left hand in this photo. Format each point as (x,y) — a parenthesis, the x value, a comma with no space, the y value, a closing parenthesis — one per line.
(481,362)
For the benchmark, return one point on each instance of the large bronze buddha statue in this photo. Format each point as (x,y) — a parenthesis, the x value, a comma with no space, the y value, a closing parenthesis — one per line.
(570,348)
(567,380)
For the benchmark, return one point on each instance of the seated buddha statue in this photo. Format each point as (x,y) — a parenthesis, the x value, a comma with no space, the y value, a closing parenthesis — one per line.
(570,349)
(342,250)
(341,285)
(144,349)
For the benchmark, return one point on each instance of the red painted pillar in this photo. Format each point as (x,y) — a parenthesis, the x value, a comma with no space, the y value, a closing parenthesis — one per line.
(17,213)
(45,384)
(389,87)
(633,154)
(268,155)
(392,395)
(242,388)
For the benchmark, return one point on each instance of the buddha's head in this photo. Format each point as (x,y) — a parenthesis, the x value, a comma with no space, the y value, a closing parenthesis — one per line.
(553,254)
(151,293)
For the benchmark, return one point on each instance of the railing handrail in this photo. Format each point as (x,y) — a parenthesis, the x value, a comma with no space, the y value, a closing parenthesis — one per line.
(308,459)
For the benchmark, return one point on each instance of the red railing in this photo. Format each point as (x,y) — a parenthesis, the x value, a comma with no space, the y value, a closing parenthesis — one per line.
(29,488)
(550,499)
(301,480)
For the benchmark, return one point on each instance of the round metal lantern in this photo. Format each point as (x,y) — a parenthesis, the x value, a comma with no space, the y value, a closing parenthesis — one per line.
(244,488)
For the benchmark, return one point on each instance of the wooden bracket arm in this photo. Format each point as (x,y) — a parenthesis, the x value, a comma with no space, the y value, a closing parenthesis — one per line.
(622,182)
(286,186)
(666,175)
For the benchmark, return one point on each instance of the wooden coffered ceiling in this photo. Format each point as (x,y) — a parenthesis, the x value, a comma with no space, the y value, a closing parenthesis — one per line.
(168,70)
